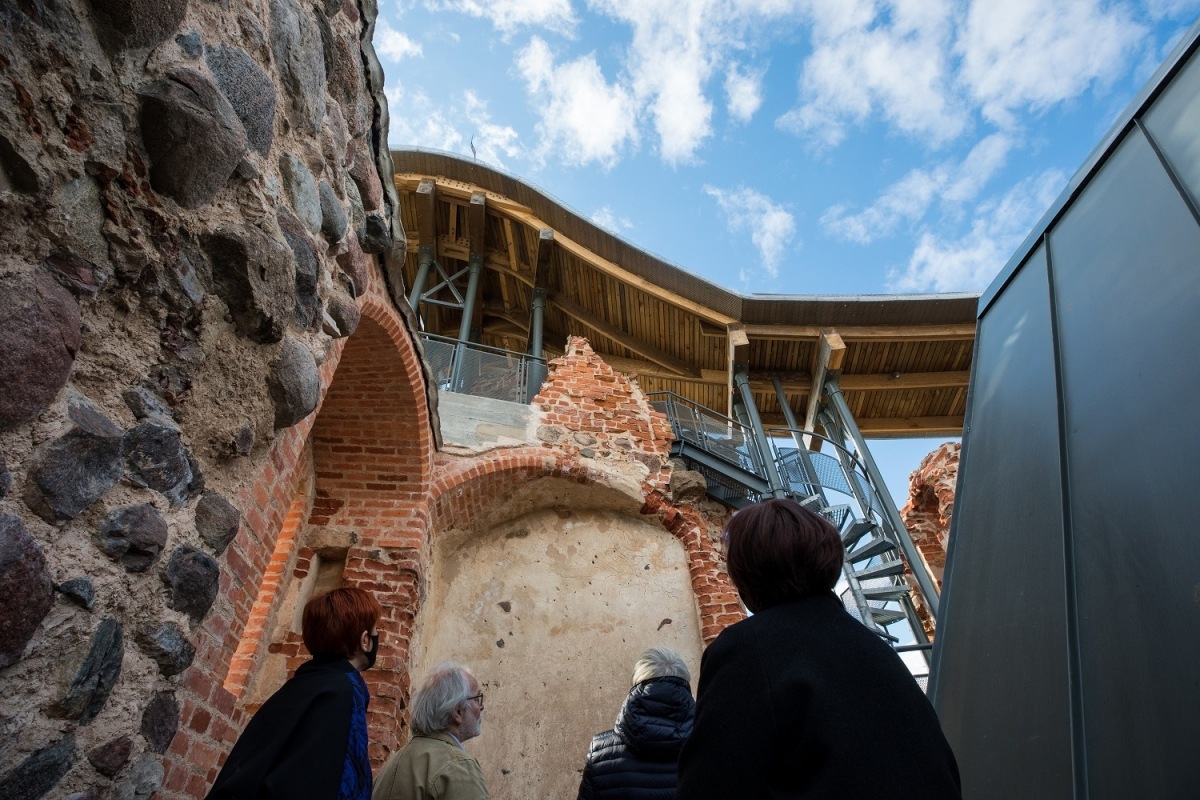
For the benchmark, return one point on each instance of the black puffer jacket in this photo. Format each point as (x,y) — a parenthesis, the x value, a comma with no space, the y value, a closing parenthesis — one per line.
(636,760)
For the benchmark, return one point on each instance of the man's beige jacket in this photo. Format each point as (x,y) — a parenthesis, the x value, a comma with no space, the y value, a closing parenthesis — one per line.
(430,767)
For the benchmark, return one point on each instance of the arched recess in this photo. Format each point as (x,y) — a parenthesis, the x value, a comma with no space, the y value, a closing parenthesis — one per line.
(306,528)
(372,452)
(548,581)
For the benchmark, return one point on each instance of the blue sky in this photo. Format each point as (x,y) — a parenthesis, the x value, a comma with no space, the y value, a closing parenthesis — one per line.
(784,146)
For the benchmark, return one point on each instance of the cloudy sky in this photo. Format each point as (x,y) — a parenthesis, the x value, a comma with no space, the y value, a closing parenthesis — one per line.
(783,146)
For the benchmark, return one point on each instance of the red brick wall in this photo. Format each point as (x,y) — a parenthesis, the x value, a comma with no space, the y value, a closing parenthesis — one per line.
(373,396)
(363,466)
(593,420)
(928,512)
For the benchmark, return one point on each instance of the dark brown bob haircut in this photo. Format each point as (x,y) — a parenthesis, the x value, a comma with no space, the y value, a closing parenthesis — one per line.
(334,622)
(778,551)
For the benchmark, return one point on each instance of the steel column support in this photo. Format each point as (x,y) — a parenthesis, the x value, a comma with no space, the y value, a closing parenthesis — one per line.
(536,371)
(474,268)
(742,379)
(538,307)
(424,262)
(891,513)
(810,472)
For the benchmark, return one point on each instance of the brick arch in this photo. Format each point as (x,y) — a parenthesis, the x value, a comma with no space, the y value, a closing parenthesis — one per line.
(378,362)
(372,452)
(462,492)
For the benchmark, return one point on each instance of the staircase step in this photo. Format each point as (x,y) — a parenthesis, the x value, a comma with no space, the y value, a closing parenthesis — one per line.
(835,514)
(885,616)
(882,634)
(885,592)
(885,570)
(872,548)
(858,529)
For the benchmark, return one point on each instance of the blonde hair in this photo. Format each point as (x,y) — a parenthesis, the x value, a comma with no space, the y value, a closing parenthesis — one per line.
(660,662)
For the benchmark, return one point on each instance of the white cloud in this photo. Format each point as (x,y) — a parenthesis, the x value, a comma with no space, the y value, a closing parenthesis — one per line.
(393,44)
(889,59)
(606,218)
(910,198)
(771,227)
(491,141)
(1030,54)
(969,262)
(744,92)
(509,15)
(676,48)
(1173,9)
(583,117)
(418,121)
(907,199)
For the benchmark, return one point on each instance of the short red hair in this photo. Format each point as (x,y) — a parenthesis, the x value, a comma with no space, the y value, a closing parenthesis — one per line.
(334,622)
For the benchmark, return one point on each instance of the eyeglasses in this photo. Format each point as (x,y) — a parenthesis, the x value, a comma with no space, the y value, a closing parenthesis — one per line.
(478,697)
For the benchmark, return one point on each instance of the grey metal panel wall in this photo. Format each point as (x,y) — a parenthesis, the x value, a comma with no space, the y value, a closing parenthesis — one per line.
(1105,577)
(1126,266)
(1012,642)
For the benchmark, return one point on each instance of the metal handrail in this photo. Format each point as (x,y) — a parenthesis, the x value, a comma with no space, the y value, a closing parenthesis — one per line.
(526,370)
(483,347)
(703,433)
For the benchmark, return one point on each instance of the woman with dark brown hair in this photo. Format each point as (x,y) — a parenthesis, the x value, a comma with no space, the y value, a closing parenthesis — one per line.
(800,700)
(309,740)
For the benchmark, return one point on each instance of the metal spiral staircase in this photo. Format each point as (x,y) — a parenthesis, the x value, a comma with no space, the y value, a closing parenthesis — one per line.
(741,468)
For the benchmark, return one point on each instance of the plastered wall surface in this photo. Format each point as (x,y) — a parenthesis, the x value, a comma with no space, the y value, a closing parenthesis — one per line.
(550,610)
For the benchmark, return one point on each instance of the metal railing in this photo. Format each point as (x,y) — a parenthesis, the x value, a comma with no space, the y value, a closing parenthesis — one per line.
(805,472)
(721,436)
(736,476)
(483,371)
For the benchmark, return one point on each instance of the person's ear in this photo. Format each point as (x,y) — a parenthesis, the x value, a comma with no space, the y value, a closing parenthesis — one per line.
(364,641)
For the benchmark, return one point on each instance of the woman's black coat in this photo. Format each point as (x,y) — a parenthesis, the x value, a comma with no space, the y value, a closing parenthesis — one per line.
(636,760)
(802,701)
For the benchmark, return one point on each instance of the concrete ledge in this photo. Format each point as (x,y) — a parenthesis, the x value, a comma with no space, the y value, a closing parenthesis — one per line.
(477,424)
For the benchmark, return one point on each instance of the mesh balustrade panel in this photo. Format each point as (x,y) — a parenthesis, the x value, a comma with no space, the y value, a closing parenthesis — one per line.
(440,356)
(493,375)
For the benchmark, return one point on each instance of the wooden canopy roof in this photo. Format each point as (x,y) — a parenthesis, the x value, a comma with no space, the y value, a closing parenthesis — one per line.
(904,359)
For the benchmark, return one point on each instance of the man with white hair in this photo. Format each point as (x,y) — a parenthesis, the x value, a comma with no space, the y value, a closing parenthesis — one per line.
(447,710)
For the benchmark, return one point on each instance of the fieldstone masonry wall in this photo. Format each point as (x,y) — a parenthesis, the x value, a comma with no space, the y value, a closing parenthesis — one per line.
(194,200)
(928,513)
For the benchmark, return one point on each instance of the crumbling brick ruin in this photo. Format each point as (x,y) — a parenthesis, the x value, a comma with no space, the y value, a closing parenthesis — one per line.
(928,512)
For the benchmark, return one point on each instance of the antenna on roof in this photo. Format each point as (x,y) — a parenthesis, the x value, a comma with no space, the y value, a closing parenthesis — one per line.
(473,148)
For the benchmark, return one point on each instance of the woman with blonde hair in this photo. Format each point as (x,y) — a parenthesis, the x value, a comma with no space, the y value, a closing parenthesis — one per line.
(636,759)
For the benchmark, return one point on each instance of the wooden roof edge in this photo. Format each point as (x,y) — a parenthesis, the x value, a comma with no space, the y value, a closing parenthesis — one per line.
(753,309)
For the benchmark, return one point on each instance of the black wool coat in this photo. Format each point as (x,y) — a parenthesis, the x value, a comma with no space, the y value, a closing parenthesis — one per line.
(802,702)
(297,745)
(636,759)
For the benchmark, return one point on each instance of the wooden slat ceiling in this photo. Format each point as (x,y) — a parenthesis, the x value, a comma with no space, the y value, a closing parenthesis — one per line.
(904,366)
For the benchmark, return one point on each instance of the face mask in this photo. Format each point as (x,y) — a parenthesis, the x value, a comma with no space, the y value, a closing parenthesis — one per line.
(374,651)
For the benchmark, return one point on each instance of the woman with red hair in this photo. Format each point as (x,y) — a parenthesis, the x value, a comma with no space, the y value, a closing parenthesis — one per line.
(309,740)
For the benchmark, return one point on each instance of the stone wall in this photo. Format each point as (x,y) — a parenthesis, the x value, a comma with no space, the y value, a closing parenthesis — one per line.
(928,513)
(195,205)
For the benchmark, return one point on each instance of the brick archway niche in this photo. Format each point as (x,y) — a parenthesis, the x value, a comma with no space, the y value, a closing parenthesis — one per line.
(549,593)
(339,500)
